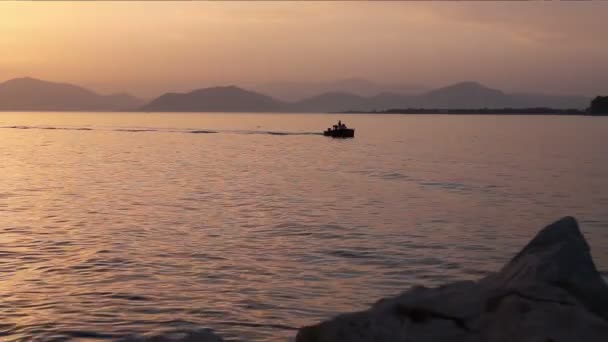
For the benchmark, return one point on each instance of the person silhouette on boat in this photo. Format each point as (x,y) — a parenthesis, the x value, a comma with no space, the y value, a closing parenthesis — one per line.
(339,126)
(339,130)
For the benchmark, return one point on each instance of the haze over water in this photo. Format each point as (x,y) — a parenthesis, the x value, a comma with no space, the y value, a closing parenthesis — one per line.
(138,225)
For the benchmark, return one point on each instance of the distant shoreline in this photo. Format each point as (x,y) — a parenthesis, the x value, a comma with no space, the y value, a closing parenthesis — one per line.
(568,112)
(477,111)
(409,111)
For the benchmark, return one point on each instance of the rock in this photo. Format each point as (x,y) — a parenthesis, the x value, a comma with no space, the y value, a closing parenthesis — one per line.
(199,335)
(559,257)
(550,291)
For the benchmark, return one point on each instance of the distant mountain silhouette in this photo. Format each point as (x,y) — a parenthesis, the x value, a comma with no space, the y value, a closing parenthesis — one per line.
(33,94)
(553,101)
(331,102)
(122,101)
(296,91)
(215,99)
(461,95)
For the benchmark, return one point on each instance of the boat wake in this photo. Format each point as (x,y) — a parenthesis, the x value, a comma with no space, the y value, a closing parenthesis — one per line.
(153,130)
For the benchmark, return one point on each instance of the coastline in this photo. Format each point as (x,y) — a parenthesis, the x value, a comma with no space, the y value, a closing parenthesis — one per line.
(392,112)
(477,111)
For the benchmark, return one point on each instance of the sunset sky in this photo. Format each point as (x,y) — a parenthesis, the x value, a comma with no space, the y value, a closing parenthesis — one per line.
(150,48)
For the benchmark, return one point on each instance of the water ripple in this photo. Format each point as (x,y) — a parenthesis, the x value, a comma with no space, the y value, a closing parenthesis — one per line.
(118,226)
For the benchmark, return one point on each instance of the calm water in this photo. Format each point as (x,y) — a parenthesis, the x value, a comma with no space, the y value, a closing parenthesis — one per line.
(139,225)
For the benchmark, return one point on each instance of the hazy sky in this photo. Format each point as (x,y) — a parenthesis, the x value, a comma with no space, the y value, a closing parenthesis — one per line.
(149,48)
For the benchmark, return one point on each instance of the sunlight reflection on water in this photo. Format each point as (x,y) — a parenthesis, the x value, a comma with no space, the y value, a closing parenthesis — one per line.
(125,223)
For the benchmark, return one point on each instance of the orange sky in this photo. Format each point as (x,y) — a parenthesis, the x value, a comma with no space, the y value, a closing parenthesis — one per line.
(149,48)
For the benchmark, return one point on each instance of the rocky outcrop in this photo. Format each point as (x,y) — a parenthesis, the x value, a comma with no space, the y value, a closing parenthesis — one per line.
(550,291)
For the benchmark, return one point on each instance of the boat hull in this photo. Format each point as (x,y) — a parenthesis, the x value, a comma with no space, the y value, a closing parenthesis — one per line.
(340,133)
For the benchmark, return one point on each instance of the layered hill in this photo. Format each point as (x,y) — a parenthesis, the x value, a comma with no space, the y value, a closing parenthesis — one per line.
(22,94)
(215,99)
(296,91)
(464,95)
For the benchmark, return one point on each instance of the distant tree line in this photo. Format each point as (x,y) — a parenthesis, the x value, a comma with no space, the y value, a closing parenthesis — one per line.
(599,106)
(527,111)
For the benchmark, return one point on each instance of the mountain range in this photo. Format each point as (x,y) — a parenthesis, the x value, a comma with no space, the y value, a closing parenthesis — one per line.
(464,95)
(296,91)
(215,99)
(27,93)
(33,94)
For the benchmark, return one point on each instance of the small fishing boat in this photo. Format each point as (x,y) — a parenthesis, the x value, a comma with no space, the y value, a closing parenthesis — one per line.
(339,131)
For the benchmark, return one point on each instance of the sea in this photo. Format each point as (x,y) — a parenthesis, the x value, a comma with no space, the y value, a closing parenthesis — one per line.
(254,224)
